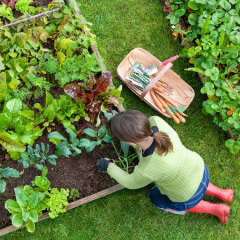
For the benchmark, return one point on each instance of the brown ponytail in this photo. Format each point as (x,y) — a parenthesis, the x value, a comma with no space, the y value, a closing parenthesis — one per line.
(134,126)
(163,144)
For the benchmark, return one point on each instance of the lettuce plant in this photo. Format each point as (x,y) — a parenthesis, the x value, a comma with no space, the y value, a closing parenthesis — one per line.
(27,208)
(99,95)
(16,127)
(31,201)
(23,6)
(57,202)
(6,12)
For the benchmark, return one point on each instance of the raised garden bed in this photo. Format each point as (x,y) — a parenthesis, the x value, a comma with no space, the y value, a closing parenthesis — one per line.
(78,172)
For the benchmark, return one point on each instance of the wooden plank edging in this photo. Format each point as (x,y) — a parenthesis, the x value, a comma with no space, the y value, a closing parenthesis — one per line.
(93,47)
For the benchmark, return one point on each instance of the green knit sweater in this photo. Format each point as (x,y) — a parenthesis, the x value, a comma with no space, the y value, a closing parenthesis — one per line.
(177,175)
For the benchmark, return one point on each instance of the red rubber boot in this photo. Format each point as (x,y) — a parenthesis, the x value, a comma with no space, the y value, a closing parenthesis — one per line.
(224,194)
(221,211)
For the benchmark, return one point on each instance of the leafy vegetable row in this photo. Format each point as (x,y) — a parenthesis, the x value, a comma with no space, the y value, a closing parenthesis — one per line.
(212,28)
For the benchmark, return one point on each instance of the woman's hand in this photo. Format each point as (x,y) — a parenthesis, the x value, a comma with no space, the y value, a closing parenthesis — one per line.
(103,164)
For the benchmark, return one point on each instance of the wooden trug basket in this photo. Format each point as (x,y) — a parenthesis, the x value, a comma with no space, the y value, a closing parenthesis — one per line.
(182,94)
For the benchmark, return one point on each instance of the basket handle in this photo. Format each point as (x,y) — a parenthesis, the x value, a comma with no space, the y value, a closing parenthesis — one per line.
(154,81)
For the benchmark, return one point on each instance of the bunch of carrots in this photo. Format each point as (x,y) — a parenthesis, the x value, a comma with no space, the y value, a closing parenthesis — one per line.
(164,105)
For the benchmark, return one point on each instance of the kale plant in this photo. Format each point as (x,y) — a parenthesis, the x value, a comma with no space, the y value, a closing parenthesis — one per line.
(37,157)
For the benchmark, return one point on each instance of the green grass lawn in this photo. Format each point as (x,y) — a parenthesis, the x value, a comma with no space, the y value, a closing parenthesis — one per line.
(120,26)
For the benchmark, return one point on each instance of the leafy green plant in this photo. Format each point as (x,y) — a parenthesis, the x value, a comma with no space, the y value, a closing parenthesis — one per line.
(23,6)
(27,208)
(101,136)
(41,183)
(126,156)
(102,93)
(74,194)
(71,68)
(37,157)
(213,27)
(57,201)
(63,147)
(62,109)
(39,85)
(16,127)
(32,201)
(6,173)
(233,145)
(6,12)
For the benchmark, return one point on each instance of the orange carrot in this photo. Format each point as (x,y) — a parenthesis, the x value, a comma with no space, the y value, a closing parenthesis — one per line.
(157,88)
(158,104)
(161,100)
(182,119)
(176,120)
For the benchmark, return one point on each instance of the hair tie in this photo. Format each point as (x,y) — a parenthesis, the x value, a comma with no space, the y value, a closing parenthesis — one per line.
(152,134)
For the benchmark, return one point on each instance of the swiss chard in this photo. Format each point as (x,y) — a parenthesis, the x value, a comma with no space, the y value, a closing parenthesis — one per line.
(100,94)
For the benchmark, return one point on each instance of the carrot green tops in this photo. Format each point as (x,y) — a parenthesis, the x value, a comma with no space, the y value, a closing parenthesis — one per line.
(177,175)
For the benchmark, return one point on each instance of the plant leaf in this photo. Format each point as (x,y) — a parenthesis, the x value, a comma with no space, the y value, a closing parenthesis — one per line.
(17,220)
(13,107)
(3,85)
(12,206)
(2,186)
(29,114)
(30,226)
(107,139)
(11,144)
(104,81)
(102,131)
(9,172)
(33,215)
(61,57)
(90,132)
(33,200)
(73,90)
(21,197)
(56,135)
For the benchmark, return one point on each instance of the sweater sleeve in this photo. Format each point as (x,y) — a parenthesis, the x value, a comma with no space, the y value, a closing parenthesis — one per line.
(131,181)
